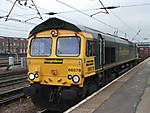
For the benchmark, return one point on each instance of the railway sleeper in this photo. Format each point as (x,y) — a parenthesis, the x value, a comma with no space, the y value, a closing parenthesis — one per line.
(10,95)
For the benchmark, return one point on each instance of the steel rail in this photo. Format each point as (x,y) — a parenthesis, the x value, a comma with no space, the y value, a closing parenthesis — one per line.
(6,64)
(12,73)
(4,83)
(10,95)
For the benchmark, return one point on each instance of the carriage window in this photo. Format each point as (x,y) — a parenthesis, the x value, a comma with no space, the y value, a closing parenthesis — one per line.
(90,45)
(68,46)
(40,47)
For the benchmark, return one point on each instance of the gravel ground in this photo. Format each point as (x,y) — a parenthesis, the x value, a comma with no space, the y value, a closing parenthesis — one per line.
(23,105)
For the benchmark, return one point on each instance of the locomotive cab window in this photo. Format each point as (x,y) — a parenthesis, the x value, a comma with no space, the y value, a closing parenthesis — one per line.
(40,47)
(90,48)
(68,46)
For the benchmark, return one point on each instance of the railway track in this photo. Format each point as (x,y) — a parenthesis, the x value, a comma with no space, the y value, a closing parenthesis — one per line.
(4,83)
(12,73)
(6,64)
(14,80)
(10,95)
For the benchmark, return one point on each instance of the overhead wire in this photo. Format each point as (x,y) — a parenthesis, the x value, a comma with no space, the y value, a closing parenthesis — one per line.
(10,26)
(76,11)
(86,14)
(22,7)
(30,7)
(52,13)
(136,5)
(25,4)
(10,1)
(104,22)
(18,15)
(117,6)
(115,28)
(121,20)
(82,11)
(13,29)
(18,20)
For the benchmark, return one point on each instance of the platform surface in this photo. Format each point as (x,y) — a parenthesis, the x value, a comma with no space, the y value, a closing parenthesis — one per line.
(129,94)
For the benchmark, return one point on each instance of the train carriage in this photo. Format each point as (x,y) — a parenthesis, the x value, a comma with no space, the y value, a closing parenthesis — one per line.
(144,50)
(66,61)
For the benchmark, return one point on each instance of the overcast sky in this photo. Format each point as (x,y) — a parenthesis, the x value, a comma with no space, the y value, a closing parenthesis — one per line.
(132,17)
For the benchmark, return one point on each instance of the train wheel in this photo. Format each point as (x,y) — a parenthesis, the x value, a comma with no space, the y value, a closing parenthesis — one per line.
(92,88)
(104,80)
(84,91)
(113,76)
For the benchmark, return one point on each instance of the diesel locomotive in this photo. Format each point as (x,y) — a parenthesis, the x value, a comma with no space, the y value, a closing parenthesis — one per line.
(67,62)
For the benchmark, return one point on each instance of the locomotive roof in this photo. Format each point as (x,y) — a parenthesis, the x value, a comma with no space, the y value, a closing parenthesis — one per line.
(56,23)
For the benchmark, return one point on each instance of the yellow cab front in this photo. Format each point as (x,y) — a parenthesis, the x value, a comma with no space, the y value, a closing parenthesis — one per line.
(55,57)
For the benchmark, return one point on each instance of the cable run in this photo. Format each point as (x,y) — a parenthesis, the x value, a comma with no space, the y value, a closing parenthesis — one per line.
(135,5)
(110,7)
(124,23)
(10,26)
(91,17)
(12,29)
(87,15)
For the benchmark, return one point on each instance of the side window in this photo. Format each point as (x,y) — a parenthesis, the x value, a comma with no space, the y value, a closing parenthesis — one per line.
(110,55)
(90,48)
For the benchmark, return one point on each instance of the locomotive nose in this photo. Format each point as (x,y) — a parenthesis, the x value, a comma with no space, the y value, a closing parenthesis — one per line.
(54,72)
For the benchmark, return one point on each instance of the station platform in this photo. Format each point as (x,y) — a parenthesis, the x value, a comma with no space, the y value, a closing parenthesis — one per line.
(130,93)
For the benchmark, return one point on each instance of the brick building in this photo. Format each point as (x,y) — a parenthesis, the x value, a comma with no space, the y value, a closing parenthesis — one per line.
(11,45)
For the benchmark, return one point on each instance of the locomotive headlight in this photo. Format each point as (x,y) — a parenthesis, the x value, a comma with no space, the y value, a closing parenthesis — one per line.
(36,75)
(31,76)
(54,33)
(70,77)
(76,78)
